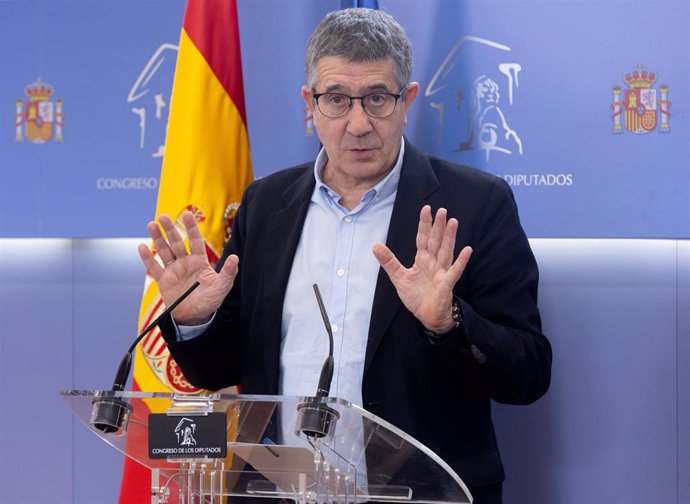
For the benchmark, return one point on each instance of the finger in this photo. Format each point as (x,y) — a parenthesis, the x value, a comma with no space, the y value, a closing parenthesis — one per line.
(445,253)
(219,284)
(230,268)
(175,240)
(388,261)
(197,245)
(437,231)
(458,267)
(160,244)
(152,266)
(424,228)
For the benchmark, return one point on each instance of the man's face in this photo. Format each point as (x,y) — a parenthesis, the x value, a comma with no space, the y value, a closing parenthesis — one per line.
(361,149)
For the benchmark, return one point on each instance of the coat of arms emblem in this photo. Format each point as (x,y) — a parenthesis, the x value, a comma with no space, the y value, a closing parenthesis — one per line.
(41,117)
(641,107)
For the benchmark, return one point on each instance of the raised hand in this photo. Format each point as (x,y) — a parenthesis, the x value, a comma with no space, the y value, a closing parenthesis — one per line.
(180,269)
(426,288)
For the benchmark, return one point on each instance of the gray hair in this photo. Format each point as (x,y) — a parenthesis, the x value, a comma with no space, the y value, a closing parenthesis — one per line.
(360,35)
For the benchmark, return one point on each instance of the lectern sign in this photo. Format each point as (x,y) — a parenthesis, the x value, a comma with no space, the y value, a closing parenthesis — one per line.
(187,436)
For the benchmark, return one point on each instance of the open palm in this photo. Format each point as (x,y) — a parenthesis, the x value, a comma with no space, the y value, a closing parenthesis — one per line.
(426,288)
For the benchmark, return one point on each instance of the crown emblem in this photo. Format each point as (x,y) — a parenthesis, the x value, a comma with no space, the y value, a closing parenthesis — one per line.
(640,107)
(640,78)
(40,117)
(38,91)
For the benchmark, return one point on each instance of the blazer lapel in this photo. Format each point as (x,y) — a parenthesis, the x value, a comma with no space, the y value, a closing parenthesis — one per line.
(283,229)
(417,183)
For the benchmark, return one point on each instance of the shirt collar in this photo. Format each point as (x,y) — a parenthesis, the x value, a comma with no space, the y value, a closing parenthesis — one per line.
(384,188)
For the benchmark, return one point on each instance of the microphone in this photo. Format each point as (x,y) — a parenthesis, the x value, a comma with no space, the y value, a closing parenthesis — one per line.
(324,386)
(315,418)
(110,413)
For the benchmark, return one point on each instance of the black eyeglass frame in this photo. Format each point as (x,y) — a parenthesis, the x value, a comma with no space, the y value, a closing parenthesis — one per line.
(400,94)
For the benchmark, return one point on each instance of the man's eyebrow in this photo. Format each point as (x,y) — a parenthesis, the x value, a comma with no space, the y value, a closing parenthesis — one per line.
(334,88)
(373,88)
(377,88)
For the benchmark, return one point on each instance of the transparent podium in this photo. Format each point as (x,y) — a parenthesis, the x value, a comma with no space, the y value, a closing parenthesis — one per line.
(205,448)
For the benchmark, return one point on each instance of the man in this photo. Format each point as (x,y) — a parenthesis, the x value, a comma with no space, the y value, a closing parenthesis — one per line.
(423,340)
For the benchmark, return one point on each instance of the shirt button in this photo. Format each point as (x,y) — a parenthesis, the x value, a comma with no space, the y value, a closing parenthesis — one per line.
(348,218)
(340,272)
(334,328)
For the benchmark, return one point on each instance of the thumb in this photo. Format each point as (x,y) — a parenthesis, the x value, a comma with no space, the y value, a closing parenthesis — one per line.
(386,259)
(220,283)
(229,270)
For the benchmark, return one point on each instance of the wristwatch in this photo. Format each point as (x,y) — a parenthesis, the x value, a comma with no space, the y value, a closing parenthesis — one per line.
(457,321)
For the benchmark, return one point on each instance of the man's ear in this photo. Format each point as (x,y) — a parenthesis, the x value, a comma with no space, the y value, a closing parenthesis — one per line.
(307,97)
(411,93)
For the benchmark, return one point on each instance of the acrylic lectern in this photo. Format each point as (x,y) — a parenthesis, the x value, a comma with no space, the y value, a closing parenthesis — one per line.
(206,448)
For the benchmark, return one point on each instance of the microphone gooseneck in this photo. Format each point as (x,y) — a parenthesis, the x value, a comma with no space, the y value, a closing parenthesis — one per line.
(122,374)
(316,419)
(324,386)
(110,413)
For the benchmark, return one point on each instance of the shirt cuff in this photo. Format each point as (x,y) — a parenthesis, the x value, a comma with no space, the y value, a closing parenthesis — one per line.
(186,333)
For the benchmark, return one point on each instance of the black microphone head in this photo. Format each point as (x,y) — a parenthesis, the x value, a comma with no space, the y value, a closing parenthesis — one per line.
(324,387)
(122,374)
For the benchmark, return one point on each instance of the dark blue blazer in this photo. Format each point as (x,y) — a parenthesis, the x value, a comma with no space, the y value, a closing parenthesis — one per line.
(439,392)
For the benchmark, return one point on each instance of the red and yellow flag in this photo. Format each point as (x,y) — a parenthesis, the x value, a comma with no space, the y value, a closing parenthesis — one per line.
(206,167)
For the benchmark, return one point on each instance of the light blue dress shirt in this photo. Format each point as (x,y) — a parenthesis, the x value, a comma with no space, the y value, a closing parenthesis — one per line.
(335,252)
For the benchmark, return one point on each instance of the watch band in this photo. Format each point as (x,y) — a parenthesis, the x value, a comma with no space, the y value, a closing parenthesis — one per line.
(457,321)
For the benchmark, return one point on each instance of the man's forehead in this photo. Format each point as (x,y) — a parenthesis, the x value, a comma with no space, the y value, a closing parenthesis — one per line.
(338,74)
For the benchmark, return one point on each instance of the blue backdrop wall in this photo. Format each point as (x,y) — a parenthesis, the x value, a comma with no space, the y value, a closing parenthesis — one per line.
(581,106)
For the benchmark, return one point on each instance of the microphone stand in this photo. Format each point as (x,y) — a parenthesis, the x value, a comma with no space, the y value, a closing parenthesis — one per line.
(110,413)
(316,419)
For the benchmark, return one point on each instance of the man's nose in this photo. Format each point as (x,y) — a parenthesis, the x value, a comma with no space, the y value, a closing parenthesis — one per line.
(358,121)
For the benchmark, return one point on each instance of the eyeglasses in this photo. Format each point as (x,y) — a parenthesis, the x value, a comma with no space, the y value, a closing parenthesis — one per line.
(377,105)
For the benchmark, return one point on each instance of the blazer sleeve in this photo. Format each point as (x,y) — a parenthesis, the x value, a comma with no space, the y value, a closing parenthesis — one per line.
(498,292)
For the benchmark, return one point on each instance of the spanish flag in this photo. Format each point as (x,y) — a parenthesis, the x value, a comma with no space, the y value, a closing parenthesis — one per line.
(206,167)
